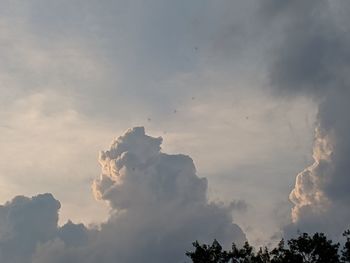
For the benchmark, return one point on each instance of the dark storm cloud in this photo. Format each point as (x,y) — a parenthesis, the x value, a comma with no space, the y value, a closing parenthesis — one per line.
(313,59)
(314,49)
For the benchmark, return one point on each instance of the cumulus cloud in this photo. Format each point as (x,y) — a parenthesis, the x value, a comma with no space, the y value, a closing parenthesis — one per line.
(308,193)
(26,223)
(190,58)
(159,195)
(135,165)
(158,207)
(312,60)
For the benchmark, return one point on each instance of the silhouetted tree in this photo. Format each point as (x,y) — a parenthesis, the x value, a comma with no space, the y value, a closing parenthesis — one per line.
(241,255)
(346,249)
(281,254)
(214,254)
(263,256)
(303,249)
(315,249)
(247,255)
(208,253)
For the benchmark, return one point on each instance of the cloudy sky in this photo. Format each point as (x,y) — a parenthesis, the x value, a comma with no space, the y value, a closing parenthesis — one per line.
(249,97)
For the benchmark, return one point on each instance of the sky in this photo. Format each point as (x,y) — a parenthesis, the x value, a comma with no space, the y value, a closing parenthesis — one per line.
(173,120)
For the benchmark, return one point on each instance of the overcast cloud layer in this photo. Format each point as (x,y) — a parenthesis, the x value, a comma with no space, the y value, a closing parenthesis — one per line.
(253,91)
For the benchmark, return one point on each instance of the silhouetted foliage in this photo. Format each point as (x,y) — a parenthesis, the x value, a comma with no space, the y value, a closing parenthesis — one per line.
(303,249)
(346,250)
(208,253)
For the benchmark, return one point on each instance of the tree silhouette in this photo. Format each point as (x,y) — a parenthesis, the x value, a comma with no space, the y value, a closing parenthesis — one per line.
(208,253)
(246,254)
(303,249)
(346,250)
(281,254)
(307,249)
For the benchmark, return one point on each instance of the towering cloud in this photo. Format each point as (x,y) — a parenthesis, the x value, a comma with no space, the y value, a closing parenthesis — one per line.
(160,204)
(135,165)
(314,60)
(158,207)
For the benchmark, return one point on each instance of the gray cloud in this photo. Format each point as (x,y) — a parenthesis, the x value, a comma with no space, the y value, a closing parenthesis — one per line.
(313,54)
(158,207)
(313,59)
(160,195)
(103,57)
(27,222)
(104,45)
(92,59)
(239,205)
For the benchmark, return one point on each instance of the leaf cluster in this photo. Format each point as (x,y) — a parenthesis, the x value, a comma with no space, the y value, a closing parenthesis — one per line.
(305,248)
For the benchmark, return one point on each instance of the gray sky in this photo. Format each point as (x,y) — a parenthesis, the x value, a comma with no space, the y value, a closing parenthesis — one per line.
(236,85)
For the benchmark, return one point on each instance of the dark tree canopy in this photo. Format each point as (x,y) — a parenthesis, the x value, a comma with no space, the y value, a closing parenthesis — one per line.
(303,249)
(208,253)
(346,250)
